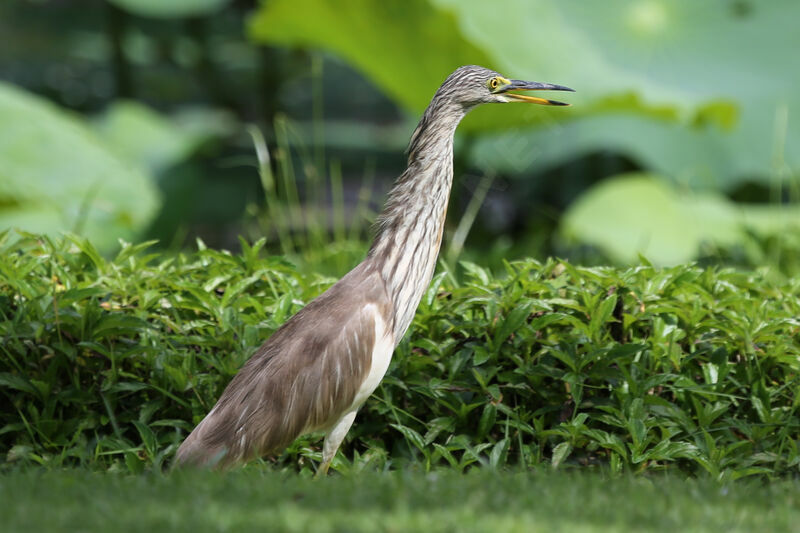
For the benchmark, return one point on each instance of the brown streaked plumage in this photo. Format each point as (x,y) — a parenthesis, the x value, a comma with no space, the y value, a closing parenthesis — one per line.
(320,366)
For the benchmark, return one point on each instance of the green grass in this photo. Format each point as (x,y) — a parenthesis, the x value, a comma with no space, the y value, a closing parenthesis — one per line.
(108,363)
(398,501)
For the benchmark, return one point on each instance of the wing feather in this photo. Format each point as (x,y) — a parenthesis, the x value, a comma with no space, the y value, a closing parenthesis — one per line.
(302,379)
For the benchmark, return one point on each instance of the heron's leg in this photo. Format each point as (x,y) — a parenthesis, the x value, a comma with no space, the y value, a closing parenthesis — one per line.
(332,441)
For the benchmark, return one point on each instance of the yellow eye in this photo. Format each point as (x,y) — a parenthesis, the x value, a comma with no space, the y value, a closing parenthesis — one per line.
(493,83)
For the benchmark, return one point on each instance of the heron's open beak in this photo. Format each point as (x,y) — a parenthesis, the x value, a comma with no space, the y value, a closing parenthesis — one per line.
(519,85)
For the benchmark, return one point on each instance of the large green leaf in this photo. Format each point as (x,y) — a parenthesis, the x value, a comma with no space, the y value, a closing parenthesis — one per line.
(718,69)
(56,175)
(699,157)
(642,213)
(693,57)
(143,136)
(407,47)
(681,52)
(170,8)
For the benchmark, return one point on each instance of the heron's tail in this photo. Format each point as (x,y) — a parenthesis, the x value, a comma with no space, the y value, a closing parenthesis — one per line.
(198,450)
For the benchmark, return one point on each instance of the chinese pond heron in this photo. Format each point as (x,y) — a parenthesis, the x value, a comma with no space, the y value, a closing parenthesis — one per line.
(317,369)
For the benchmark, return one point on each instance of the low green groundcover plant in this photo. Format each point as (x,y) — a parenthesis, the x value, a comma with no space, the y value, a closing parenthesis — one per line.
(109,363)
(443,501)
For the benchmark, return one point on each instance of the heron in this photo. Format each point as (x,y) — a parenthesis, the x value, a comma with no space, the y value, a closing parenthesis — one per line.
(318,368)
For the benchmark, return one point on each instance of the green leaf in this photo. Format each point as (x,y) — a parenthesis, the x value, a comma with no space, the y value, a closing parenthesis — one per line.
(147,436)
(511,323)
(57,175)
(368,35)
(117,325)
(602,314)
(17,383)
(486,421)
(444,452)
(763,412)
(134,464)
(144,137)
(638,433)
(478,273)
(560,452)
(497,457)
(481,355)
(641,213)
(411,436)
(608,440)
(89,250)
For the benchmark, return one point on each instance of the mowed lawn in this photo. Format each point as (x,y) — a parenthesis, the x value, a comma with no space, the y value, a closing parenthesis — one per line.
(252,500)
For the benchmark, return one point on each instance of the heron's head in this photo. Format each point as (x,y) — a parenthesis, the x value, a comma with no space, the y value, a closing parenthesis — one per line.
(472,85)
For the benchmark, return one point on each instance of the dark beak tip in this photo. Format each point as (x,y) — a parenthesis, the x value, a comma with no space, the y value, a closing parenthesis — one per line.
(537,86)
(561,88)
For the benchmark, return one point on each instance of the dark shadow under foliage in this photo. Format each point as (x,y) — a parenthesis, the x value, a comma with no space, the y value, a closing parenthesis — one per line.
(109,363)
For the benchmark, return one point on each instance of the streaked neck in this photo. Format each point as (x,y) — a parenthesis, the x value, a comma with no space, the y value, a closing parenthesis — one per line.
(411,224)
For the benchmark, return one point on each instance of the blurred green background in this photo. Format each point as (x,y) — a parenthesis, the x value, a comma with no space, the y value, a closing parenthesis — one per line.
(145,119)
